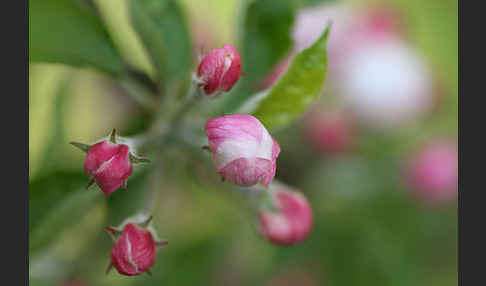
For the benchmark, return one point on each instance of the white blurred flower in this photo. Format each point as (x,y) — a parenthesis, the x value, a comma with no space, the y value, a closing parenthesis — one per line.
(386,82)
(371,66)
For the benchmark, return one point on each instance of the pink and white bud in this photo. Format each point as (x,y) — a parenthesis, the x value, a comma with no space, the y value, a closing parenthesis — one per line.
(329,131)
(109,164)
(288,220)
(432,172)
(242,150)
(134,251)
(219,70)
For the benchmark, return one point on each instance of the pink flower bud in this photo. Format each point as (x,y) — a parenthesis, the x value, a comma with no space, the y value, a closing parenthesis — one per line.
(242,149)
(290,220)
(329,131)
(109,164)
(432,172)
(219,70)
(134,251)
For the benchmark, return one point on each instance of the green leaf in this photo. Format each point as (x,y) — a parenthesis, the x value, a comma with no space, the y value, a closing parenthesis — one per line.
(69,32)
(58,200)
(162,28)
(266,37)
(67,210)
(46,192)
(317,2)
(52,155)
(297,88)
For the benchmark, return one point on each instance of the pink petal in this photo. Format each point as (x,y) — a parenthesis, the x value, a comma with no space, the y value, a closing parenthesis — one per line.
(115,171)
(247,172)
(97,154)
(233,127)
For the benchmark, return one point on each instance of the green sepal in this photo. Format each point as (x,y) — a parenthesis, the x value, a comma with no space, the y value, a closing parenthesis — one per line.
(81,146)
(137,160)
(113,136)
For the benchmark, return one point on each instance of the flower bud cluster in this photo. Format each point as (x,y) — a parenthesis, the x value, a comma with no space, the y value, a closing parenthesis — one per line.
(242,150)
(244,153)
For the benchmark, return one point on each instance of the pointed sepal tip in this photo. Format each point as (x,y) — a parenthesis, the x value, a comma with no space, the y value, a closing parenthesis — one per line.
(113,136)
(81,146)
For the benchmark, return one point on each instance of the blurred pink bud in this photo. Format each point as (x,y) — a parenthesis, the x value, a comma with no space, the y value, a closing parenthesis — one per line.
(219,70)
(289,220)
(379,22)
(329,131)
(134,251)
(432,172)
(242,149)
(109,164)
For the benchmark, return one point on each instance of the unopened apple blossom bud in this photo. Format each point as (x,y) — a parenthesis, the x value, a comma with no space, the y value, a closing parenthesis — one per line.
(329,131)
(242,150)
(219,70)
(432,172)
(135,247)
(134,251)
(109,163)
(288,219)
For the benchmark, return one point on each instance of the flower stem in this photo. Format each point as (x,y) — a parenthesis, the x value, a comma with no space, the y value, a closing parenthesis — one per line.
(139,94)
(169,121)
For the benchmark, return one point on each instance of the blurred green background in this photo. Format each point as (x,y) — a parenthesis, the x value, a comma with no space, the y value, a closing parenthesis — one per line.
(367,230)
